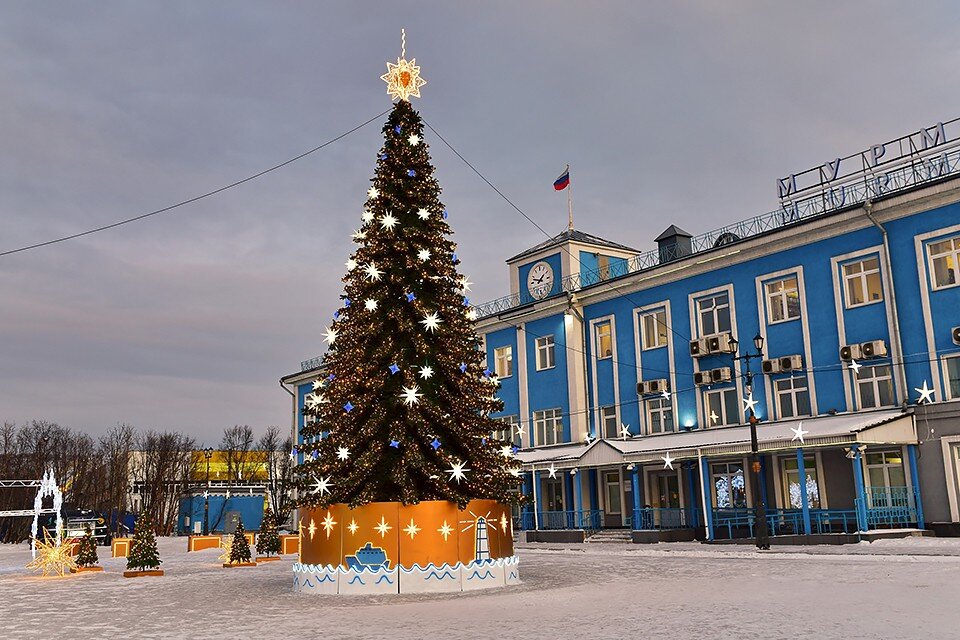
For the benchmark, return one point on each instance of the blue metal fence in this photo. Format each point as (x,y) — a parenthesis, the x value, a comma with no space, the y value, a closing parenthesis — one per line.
(653,518)
(586,519)
(890,507)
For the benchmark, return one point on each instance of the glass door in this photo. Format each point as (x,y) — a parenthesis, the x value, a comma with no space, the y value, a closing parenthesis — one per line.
(613,514)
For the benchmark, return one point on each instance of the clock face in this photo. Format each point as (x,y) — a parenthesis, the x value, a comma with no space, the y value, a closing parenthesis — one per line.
(540,280)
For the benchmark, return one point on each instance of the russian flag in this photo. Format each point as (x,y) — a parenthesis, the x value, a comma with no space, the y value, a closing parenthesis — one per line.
(563,181)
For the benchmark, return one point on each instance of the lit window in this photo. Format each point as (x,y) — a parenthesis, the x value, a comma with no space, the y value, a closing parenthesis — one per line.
(509,432)
(729,485)
(793,397)
(549,426)
(792,486)
(546,353)
(783,300)
(944,261)
(604,340)
(723,407)
(862,282)
(875,387)
(654,328)
(659,416)
(608,420)
(952,365)
(503,361)
(713,314)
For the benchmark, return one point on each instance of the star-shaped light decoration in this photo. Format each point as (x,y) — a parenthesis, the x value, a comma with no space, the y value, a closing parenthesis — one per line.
(410,296)
(328,524)
(464,284)
(414,139)
(515,472)
(318,383)
(313,400)
(926,394)
(403,79)
(749,403)
(372,193)
(330,335)
(343,453)
(667,461)
(52,558)
(395,444)
(457,470)
(714,417)
(372,272)
(423,255)
(411,529)
(798,433)
(353,526)
(388,221)
(552,471)
(445,530)
(394,369)
(625,431)
(322,485)
(506,451)
(359,235)
(471,314)
(312,529)
(366,216)
(854,366)
(351,264)
(382,527)
(426,372)
(423,213)
(665,394)
(435,443)
(431,321)
(370,304)
(411,395)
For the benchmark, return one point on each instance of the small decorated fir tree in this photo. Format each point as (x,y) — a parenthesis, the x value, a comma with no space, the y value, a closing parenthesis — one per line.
(268,542)
(143,550)
(239,547)
(87,551)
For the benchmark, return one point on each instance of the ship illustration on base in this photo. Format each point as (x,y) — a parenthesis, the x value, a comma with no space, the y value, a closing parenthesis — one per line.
(368,557)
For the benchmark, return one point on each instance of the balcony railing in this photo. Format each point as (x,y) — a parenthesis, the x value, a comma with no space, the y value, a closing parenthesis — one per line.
(586,519)
(653,518)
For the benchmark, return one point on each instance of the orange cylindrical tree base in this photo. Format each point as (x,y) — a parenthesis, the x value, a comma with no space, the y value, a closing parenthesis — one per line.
(390,534)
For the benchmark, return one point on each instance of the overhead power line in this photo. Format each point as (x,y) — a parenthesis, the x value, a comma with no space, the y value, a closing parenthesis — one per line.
(199,197)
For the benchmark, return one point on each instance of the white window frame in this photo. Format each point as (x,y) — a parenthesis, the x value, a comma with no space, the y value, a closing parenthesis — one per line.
(811,467)
(779,298)
(791,394)
(503,361)
(510,423)
(546,353)
(946,375)
(951,469)
(714,312)
(600,335)
(727,474)
(661,407)
(862,276)
(608,419)
(658,340)
(874,381)
(551,419)
(953,252)
(723,393)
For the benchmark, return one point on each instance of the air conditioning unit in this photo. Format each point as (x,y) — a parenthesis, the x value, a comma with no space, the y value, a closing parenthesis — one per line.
(956,335)
(698,348)
(721,375)
(720,344)
(874,349)
(770,366)
(702,377)
(652,386)
(790,363)
(850,352)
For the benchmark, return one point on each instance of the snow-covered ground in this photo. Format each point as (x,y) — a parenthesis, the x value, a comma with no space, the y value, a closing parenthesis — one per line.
(887,589)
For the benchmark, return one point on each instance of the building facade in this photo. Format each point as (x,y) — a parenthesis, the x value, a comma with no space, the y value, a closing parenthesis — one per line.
(625,392)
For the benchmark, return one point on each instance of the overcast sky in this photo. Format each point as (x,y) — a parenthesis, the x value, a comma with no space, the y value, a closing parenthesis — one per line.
(680,113)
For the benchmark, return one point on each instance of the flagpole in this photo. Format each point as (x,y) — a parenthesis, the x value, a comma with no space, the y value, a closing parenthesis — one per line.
(569,201)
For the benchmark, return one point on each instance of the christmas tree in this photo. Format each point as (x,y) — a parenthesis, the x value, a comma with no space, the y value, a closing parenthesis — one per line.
(143,550)
(239,547)
(268,542)
(401,412)
(87,550)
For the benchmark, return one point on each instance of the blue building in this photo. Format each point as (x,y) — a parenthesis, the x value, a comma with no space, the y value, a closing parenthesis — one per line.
(624,384)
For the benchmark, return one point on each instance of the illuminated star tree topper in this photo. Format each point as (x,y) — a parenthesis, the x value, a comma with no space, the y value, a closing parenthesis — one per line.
(403,79)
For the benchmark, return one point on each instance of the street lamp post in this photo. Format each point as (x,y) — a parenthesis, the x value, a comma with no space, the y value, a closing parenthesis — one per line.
(759,500)
(207,453)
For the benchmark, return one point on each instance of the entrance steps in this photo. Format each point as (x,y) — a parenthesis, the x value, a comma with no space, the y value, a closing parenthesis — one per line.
(611,535)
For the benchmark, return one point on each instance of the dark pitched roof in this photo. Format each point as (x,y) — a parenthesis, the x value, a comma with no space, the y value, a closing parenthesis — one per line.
(575,236)
(671,231)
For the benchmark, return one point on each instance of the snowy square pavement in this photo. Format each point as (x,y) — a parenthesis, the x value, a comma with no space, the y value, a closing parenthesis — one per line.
(888,589)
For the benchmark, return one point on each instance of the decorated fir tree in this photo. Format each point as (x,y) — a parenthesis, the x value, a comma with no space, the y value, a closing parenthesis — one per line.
(268,542)
(87,550)
(402,410)
(144,555)
(239,547)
